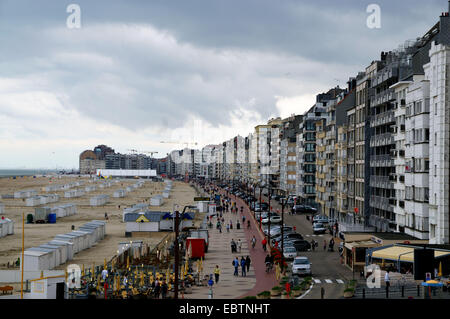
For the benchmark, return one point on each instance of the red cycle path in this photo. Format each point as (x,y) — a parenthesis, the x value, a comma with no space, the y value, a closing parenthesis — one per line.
(264,281)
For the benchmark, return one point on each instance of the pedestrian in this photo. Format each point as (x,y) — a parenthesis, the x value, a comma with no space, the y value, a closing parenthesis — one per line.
(228,228)
(104,274)
(238,224)
(239,244)
(243,219)
(313,245)
(247,263)
(217,273)
(324,244)
(243,267)
(220,228)
(264,244)
(248,224)
(157,289)
(236,266)
(253,241)
(231,224)
(164,289)
(106,216)
(387,279)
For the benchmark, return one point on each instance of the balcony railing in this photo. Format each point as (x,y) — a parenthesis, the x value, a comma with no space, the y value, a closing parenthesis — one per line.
(381,161)
(382,139)
(382,118)
(381,203)
(381,182)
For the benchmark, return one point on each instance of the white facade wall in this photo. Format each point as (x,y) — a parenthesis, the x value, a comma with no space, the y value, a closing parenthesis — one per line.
(437,72)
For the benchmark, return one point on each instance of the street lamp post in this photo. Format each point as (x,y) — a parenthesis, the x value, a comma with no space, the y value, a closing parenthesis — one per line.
(177,247)
(268,228)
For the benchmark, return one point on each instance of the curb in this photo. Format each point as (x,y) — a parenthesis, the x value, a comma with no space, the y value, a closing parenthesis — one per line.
(306,292)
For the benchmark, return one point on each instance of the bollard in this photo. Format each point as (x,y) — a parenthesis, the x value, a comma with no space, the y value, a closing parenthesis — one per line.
(364,293)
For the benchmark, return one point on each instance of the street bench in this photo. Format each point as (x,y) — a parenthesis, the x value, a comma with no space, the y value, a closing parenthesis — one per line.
(7,290)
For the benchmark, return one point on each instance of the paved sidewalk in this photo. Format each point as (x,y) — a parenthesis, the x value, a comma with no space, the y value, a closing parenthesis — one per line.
(219,253)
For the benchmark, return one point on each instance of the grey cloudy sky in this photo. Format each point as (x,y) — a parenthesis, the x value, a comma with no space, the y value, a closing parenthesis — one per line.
(139,72)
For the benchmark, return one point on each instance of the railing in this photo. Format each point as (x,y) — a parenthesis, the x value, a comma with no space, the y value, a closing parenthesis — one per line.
(381,182)
(382,139)
(381,161)
(382,118)
(380,203)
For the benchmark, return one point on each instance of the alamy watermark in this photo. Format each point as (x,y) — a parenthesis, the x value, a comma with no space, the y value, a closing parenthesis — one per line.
(74,19)
(73,276)
(374,19)
(374,279)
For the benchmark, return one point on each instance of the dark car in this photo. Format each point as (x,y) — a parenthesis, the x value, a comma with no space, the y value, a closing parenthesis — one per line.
(261,207)
(288,236)
(299,208)
(301,245)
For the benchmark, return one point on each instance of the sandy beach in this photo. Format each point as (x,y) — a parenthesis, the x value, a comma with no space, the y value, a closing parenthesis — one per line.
(37,234)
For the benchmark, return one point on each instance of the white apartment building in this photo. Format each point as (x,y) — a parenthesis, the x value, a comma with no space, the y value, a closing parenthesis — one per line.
(437,73)
(398,154)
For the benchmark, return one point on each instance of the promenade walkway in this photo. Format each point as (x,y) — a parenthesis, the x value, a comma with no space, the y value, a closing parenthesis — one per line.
(219,253)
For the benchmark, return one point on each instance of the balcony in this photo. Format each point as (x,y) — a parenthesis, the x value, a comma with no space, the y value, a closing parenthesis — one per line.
(382,118)
(381,203)
(381,182)
(381,161)
(382,139)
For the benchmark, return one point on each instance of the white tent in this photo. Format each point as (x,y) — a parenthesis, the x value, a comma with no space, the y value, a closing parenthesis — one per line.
(9,226)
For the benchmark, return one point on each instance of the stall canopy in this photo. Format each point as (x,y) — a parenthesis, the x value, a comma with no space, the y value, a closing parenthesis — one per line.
(405,254)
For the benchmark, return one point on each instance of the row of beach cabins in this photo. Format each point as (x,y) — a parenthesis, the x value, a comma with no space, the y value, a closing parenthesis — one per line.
(63,247)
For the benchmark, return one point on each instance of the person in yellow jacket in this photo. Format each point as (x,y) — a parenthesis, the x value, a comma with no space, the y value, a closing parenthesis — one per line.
(217,273)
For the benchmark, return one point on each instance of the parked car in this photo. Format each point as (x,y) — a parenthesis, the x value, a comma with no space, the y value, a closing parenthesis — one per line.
(301,266)
(276,230)
(301,245)
(299,208)
(273,219)
(290,253)
(288,236)
(319,228)
(260,207)
(320,219)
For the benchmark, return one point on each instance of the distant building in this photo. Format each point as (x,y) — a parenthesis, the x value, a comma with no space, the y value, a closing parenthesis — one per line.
(89,162)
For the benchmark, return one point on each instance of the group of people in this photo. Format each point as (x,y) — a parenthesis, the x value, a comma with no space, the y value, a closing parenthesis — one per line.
(244,263)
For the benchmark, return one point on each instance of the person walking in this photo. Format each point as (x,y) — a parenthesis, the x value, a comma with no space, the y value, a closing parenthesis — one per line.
(236,266)
(231,224)
(264,244)
(217,273)
(220,228)
(164,289)
(387,279)
(244,274)
(253,241)
(228,228)
(248,224)
(243,219)
(233,245)
(248,262)
(313,245)
(324,244)
(157,289)
(239,244)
